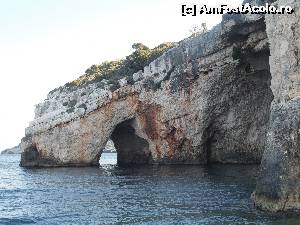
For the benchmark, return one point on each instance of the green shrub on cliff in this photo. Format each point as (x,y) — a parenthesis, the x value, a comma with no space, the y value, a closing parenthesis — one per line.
(114,70)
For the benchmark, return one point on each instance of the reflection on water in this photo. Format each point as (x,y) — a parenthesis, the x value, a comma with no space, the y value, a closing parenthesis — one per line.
(129,195)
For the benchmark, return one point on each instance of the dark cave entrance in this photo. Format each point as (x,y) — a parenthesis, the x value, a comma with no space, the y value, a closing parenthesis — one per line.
(130,148)
(239,129)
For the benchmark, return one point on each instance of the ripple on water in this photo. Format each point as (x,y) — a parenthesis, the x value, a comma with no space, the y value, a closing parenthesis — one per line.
(130,195)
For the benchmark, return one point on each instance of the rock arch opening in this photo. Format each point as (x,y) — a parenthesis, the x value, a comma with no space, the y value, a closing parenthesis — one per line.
(108,155)
(130,147)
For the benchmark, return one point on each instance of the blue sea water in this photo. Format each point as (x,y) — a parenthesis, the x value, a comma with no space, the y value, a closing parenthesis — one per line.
(134,195)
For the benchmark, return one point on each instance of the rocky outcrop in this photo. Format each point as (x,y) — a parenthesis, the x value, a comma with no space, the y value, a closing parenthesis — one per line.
(207,100)
(14,150)
(278,186)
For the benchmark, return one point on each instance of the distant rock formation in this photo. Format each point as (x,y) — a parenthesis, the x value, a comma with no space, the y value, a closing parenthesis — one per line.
(207,100)
(14,150)
(109,148)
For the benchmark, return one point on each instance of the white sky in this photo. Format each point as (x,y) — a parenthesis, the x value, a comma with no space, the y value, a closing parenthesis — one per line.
(46,43)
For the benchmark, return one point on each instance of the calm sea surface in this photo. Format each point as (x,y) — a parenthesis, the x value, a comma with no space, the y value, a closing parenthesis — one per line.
(139,195)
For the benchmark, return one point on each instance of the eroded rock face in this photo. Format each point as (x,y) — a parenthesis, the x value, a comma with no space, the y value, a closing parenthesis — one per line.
(206,100)
(278,186)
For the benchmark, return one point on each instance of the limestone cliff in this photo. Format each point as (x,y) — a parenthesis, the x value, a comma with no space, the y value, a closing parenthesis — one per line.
(278,187)
(207,100)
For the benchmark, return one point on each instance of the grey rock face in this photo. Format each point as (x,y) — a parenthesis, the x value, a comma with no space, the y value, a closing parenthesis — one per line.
(278,186)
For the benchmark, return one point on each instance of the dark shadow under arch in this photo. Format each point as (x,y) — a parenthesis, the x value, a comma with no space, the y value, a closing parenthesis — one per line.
(131,149)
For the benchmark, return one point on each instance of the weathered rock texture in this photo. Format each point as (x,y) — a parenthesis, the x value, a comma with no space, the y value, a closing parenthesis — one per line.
(206,100)
(278,187)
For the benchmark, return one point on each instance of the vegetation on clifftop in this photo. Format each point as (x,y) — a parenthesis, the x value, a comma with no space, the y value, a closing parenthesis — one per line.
(112,71)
